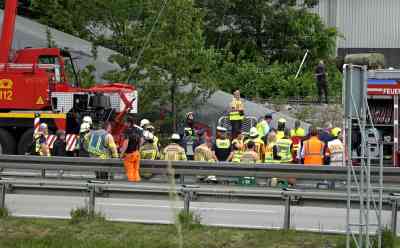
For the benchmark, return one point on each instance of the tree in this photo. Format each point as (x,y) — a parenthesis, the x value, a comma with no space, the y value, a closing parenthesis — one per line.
(275,30)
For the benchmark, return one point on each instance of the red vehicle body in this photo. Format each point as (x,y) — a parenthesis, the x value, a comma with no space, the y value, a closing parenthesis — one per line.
(43,81)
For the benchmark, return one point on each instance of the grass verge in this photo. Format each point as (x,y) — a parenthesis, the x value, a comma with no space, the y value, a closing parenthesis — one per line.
(43,233)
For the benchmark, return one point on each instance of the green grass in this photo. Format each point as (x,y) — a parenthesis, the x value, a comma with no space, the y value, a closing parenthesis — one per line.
(43,233)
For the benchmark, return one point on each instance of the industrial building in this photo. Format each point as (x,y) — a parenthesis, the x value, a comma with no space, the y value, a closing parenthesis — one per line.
(365,26)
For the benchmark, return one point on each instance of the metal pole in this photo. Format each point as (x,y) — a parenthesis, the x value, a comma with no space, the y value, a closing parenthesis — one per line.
(3,195)
(394,216)
(286,220)
(186,203)
(92,199)
(368,188)
(301,65)
(347,125)
(380,194)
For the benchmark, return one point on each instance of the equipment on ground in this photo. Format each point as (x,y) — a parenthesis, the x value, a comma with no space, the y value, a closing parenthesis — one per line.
(42,82)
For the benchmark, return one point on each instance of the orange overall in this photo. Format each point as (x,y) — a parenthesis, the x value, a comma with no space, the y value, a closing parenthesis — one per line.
(132,166)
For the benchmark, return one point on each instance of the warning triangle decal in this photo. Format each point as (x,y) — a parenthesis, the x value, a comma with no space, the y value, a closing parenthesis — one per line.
(40,100)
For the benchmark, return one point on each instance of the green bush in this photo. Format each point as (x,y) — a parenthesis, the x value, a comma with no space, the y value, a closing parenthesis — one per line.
(188,220)
(4,212)
(82,214)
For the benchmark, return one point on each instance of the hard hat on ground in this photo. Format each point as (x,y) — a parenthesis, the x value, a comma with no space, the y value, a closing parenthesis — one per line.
(85,127)
(148,135)
(282,120)
(336,131)
(144,122)
(87,119)
(221,129)
(253,132)
(175,136)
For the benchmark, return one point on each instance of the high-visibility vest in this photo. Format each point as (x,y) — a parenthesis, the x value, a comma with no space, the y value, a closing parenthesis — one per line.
(313,151)
(336,149)
(280,135)
(296,144)
(300,132)
(269,153)
(148,151)
(237,156)
(235,115)
(223,143)
(284,150)
(203,153)
(240,142)
(247,157)
(97,144)
(262,128)
(174,152)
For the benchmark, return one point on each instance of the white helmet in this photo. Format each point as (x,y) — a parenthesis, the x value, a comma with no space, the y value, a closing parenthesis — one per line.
(84,127)
(175,136)
(253,132)
(148,135)
(43,126)
(144,122)
(87,119)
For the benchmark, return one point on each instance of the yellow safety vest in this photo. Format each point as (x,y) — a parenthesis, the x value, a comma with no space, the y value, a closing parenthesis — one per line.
(223,143)
(269,153)
(237,156)
(284,150)
(149,151)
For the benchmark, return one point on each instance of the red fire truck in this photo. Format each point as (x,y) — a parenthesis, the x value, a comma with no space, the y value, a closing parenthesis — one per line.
(42,82)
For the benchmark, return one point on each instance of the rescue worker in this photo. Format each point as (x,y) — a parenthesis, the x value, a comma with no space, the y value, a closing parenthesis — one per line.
(263,127)
(59,146)
(151,129)
(101,145)
(189,142)
(297,135)
(297,130)
(271,151)
(174,152)
(149,150)
(239,140)
(284,146)
(250,155)
(258,143)
(236,114)
(144,123)
(281,128)
(132,157)
(312,150)
(203,152)
(222,145)
(236,153)
(81,144)
(41,146)
(87,119)
(336,148)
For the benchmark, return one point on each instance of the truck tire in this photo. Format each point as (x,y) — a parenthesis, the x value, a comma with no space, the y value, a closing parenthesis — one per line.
(25,142)
(7,142)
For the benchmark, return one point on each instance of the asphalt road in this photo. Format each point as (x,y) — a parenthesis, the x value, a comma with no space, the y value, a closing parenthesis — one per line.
(212,213)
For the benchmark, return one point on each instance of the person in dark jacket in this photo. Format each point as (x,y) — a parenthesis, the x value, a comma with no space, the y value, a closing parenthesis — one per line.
(59,146)
(322,84)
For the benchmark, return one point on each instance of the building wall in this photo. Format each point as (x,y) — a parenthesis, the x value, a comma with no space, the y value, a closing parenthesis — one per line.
(365,26)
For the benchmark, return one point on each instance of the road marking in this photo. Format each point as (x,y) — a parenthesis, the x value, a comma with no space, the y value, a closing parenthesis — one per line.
(195,208)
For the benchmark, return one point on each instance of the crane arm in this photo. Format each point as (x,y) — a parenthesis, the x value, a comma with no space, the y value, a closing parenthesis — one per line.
(8,28)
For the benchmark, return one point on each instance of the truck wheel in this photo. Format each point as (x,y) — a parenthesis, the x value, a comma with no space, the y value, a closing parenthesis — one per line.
(25,142)
(7,142)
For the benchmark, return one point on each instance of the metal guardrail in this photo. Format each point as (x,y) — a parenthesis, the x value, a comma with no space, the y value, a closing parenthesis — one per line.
(190,193)
(192,168)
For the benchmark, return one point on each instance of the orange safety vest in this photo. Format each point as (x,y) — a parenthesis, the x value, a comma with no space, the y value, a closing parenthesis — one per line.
(313,151)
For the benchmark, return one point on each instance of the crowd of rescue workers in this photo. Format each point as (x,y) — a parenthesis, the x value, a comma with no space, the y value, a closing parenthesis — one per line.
(264,143)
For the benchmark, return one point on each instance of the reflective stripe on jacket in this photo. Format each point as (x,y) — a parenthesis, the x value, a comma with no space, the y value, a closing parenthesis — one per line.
(336,149)
(97,144)
(237,156)
(284,150)
(149,151)
(313,151)
(174,152)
